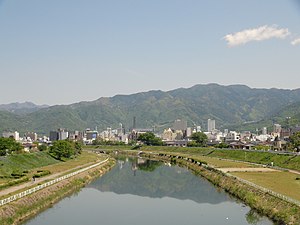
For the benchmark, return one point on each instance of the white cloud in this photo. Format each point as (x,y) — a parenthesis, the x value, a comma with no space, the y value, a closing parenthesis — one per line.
(296,42)
(256,34)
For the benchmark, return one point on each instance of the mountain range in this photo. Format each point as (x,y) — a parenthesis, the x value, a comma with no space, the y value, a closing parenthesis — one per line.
(21,108)
(233,107)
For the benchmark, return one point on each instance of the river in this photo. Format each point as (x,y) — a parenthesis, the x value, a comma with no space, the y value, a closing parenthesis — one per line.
(138,191)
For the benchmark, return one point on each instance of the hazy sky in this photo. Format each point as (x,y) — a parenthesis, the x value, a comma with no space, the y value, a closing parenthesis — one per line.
(65,51)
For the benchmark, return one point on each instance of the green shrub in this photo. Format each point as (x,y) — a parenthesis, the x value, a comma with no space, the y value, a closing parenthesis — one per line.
(41,173)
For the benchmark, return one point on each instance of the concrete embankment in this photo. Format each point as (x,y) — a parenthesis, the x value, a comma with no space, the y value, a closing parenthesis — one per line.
(22,209)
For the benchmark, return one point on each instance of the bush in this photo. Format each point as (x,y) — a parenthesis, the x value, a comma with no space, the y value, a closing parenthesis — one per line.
(17,175)
(42,147)
(41,173)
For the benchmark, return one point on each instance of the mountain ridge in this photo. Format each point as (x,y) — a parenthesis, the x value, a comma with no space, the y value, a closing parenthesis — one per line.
(22,107)
(228,105)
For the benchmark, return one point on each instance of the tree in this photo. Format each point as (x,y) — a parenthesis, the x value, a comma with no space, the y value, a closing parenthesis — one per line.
(8,145)
(62,148)
(200,138)
(222,145)
(150,139)
(78,147)
(42,147)
(295,140)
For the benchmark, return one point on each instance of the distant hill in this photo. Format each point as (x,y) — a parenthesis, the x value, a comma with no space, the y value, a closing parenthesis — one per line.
(288,116)
(21,108)
(228,105)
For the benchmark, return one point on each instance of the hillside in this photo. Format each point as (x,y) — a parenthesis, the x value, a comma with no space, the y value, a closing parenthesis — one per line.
(21,108)
(291,111)
(228,105)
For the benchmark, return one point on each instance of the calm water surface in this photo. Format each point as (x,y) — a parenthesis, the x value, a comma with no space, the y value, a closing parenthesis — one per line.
(138,191)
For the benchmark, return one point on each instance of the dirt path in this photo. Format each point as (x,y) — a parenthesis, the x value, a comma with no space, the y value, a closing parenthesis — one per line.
(38,180)
(249,169)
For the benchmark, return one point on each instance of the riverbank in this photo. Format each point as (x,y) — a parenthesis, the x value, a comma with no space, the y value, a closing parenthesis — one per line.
(21,210)
(278,210)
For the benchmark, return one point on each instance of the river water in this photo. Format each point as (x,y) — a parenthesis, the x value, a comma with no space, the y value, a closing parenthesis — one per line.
(138,191)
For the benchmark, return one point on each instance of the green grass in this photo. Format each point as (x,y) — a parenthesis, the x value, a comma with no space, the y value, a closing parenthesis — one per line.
(189,150)
(107,147)
(281,182)
(27,165)
(84,158)
(285,161)
(219,163)
(23,162)
(280,160)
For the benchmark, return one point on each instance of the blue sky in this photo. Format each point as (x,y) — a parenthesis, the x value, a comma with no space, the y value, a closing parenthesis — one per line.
(65,51)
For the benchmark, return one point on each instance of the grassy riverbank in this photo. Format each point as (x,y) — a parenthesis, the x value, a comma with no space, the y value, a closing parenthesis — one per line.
(22,164)
(20,210)
(280,160)
(275,208)
(278,210)
(281,182)
(30,164)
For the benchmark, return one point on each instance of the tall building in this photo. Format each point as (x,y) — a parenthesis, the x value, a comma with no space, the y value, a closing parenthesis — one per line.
(211,125)
(180,125)
(264,131)
(14,135)
(31,135)
(91,135)
(189,132)
(60,134)
(53,135)
(277,128)
(63,134)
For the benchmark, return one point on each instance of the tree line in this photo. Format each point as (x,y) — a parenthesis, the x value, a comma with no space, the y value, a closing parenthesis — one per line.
(58,149)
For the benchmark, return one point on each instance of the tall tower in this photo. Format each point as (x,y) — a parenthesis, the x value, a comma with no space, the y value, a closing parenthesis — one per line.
(134,123)
(211,125)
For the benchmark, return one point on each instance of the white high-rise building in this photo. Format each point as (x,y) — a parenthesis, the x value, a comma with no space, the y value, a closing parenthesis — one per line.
(264,131)
(277,128)
(211,125)
(14,135)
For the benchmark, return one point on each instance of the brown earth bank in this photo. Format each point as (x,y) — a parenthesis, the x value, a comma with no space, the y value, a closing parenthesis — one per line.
(23,209)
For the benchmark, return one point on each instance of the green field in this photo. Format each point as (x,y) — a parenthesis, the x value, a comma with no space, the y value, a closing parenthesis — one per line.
(27,164)
(281,182)
(284,161)
(84,158)
(21,163)
(265,158)
(221,163)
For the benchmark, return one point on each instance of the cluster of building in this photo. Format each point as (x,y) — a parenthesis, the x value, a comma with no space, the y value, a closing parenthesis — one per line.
(177,135)
(277,139)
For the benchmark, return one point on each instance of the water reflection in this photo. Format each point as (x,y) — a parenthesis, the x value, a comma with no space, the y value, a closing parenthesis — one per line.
(141,191)
(153,179)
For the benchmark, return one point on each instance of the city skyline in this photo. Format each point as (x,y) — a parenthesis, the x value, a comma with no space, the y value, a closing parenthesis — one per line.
(61,53)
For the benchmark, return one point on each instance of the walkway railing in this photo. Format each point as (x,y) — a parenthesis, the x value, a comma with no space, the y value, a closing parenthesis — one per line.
(39,187)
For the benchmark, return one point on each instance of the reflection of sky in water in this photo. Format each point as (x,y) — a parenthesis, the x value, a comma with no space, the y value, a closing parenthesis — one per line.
(175,182)
(142,201)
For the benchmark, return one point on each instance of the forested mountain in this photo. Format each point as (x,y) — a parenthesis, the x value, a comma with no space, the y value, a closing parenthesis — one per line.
(21,108)
(228,105)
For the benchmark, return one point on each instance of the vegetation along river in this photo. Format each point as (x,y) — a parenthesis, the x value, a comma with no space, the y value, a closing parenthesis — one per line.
(138,191)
